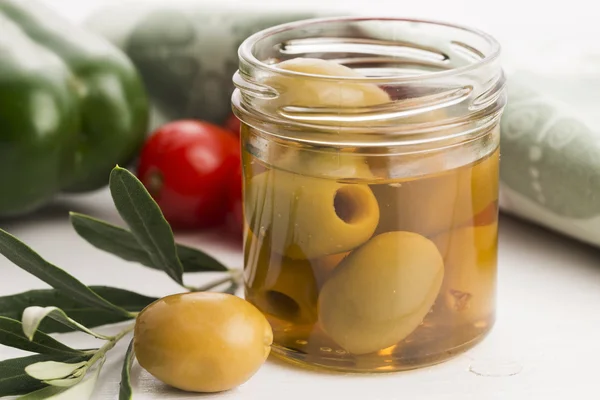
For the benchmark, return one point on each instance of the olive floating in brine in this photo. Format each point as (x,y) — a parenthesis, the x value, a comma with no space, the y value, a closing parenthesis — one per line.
(286,289)
(381,292)
(470,258)
(432,205)
(304,90)
(309,217)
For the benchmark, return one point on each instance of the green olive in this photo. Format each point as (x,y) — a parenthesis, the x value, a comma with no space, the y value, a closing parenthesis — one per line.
(306,91)
(326,164)
(425,206)
(286,289)
(484,182)
(381,292)
(309,217)
(432,205)
(202,342)
(323,267)
(470,258)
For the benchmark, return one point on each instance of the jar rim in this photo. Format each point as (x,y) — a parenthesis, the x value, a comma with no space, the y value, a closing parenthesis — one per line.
(246,55)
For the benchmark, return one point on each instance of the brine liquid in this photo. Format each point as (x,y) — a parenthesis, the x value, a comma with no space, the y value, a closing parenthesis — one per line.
(456,210)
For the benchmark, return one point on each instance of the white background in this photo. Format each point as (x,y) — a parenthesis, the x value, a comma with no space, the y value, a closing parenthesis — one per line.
(524,27)
(547,340)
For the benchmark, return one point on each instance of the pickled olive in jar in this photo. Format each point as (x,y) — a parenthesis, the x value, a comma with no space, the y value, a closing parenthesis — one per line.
(288,290)
(327,165)
(282,287)
(470,259)
(483,188)
(381,292)
(296,91)
(308,217)
(425,206)
(433,204)
(324,266)
(305,92)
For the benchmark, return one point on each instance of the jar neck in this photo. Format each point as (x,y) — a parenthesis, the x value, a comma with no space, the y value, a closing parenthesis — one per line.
(444,84)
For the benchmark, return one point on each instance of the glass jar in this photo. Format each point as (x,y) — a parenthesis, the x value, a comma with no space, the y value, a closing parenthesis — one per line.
(370,157)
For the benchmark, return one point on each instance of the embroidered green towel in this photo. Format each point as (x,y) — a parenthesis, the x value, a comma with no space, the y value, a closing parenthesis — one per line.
(550,154)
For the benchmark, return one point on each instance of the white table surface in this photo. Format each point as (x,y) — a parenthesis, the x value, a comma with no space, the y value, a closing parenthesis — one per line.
(544,345)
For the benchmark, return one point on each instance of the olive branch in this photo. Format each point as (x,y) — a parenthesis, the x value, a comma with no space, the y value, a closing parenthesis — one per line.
(27,319)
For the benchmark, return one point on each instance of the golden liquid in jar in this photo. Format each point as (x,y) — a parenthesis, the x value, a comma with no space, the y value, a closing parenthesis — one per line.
(455,210)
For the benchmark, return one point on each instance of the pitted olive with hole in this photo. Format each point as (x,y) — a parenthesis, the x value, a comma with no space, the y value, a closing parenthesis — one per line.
(288,290)
(202,342)
(381,292)
(470,259)
(279,286)
(310,217)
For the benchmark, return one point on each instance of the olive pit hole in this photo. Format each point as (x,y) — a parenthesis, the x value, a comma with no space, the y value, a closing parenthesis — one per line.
(349,204)
(282,305)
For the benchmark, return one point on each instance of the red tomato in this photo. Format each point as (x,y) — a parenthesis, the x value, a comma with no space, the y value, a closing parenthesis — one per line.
(235,219)
(233,124)
(188,167)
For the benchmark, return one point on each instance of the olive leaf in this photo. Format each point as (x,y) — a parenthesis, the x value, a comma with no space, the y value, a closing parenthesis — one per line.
(48,370)
(27,259)
(146,221)
(79,391)
(125,392)
(194,260)
(13,306)
(11,334)
(15,381)
(34,315)
(123,244)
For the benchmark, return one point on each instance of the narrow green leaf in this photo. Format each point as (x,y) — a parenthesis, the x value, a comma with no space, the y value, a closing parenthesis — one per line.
(146,221)
(15,381)
(123,244)
(34,315)
(11,334)
(27,259)
(125,391)
(76,391)
(14,305)
(194,260)
(47,370)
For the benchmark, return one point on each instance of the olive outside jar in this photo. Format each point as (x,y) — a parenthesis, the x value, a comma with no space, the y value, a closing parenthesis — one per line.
(370,151)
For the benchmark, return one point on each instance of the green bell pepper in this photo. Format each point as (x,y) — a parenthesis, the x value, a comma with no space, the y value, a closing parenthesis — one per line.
(71,107)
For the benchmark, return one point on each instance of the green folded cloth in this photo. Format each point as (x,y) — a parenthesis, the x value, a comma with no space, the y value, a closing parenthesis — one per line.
(187,54)
(550,155)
